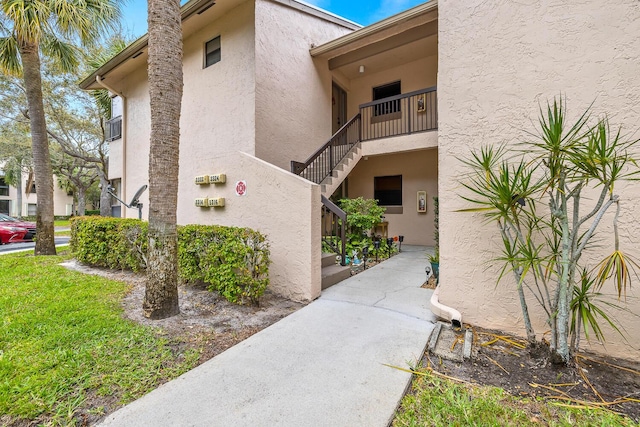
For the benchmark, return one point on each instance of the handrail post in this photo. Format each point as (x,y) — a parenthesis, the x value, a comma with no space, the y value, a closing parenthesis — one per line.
(409,108)
(343,239)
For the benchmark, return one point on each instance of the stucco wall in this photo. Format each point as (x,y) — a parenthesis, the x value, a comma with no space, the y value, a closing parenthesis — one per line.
(293,90)
(415,75)
(498,60)
(419,170)
(285,207)
(217,105)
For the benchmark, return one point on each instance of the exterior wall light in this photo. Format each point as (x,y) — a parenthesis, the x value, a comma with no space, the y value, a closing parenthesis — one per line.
(361,69)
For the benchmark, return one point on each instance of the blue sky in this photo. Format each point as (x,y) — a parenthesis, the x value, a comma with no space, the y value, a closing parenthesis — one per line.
(363,12)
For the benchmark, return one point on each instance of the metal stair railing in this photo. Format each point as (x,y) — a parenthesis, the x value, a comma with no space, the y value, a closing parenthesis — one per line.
(334,226)
(322,163)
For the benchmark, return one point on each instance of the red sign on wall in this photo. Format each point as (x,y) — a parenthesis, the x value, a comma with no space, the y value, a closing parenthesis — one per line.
(241,188)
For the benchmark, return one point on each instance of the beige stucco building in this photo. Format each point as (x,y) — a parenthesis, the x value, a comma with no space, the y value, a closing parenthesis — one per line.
(277,91)
(9,200)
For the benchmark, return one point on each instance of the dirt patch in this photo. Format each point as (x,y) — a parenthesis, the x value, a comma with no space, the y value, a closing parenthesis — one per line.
(505,361)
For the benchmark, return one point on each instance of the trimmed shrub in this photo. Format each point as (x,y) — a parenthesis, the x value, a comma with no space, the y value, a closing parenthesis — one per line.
(114,243)
(92,212)
(233,261)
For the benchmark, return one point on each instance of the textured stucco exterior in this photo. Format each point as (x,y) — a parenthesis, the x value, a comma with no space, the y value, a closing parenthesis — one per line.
(283,206)
(293,90)
(419,170)
(265,98)
(497,61)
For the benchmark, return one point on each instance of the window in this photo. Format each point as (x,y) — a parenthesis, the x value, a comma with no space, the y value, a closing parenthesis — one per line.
(32,209)
(4,207)
(113,129)
(30,188)
(387,91)
(4,187)
(212,52)
(388,190)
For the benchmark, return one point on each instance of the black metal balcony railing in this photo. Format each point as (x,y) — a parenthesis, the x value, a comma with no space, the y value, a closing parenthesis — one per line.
(400,115)
(113,129)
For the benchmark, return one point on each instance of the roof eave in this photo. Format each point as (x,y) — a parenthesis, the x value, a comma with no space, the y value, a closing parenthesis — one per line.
(372,29)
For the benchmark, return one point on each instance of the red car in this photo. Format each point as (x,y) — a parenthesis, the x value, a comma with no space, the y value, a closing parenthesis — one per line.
(13,230)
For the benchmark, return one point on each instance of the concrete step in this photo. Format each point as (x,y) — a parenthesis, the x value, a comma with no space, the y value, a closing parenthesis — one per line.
(328,259)
(334,274)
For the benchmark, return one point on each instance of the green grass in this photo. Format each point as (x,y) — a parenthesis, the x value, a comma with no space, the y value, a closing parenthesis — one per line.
(62,223)
(63,338)
(434,401)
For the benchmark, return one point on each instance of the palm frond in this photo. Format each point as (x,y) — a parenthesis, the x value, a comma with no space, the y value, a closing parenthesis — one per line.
(9,57)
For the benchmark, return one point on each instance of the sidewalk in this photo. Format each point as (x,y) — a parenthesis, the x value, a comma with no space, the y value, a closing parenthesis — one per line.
(320,366)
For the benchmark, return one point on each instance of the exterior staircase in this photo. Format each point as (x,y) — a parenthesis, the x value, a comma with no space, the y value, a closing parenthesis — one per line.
(328,167)
(333,273)
(339,173)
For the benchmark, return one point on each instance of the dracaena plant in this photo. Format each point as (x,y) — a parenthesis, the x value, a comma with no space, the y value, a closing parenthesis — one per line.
(546,226)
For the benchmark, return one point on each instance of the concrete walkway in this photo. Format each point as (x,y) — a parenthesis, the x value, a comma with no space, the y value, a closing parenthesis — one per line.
(321,366)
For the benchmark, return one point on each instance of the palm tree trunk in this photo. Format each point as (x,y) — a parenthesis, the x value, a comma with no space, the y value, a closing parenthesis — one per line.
(45,244)
(165,91)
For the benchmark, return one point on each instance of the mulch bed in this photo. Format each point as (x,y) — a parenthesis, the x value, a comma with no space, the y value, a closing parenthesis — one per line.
(505,361)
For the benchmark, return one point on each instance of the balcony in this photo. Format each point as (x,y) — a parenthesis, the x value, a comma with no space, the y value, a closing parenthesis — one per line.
(113,129)
(400,115)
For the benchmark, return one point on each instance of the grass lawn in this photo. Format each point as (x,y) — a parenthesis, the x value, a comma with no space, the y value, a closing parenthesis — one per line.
(65,347)
(435,401)
(62,223)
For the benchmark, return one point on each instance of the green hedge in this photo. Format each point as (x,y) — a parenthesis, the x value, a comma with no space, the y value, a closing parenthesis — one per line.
(233,261)
(114,243)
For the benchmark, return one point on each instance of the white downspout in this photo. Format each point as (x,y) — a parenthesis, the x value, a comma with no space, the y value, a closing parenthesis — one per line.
(123,181)
(444,312)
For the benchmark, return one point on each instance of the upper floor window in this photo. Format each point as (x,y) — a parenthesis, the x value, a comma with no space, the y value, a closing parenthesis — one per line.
(387,91)
(212,52)
(113,129)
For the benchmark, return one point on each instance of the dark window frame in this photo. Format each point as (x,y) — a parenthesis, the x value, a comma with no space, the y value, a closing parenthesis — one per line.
(6,202)
(386,196)
(4,187)
(214,55)
(389,109)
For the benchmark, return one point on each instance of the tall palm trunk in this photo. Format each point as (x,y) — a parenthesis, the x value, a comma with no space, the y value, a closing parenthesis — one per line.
(45,244)
(165,90)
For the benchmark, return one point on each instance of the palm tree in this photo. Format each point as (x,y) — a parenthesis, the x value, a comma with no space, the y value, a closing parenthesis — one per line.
(165,91)
(32,27)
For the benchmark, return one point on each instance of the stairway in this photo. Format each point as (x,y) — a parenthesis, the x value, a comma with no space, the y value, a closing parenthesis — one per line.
(332,272)
(341,171)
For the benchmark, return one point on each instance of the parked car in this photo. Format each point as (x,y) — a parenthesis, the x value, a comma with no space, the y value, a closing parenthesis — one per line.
(13,230)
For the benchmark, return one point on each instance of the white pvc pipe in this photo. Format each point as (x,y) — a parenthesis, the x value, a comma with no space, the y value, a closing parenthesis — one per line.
(444,312)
